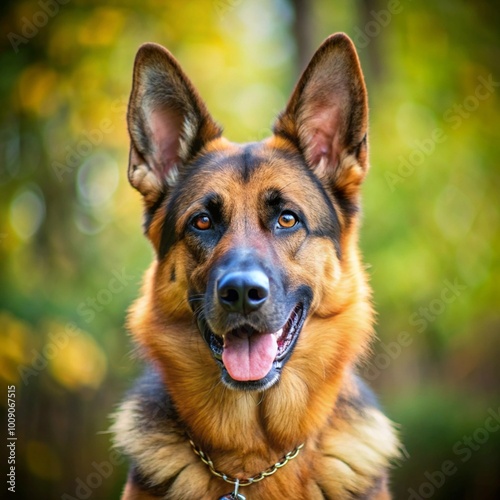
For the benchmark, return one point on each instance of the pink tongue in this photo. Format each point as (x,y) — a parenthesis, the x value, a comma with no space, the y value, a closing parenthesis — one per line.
(249,358)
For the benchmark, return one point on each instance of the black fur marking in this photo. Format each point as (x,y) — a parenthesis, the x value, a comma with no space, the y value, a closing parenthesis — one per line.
(155,401)
(349,404)
(215,205)
(172,275)
(249,162)
(157,414)
(347,205)
(331,228)
(139,480)
(150,212)
(377,486)
(361,145)
(168,484)
(185,172)
(285,135)
(157,490)
(168,236)
(325,496)
(273,203)
(199,142)
(274,198)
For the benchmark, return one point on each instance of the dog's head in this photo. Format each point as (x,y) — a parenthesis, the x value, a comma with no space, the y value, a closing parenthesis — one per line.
(255,243)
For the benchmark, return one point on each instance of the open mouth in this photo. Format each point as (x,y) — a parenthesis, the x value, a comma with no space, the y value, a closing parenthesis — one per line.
(249,355)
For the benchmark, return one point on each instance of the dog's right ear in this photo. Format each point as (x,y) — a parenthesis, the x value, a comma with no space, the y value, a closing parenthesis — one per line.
(167,120)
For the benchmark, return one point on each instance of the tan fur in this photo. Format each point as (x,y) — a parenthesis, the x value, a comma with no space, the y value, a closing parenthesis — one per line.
(348,443)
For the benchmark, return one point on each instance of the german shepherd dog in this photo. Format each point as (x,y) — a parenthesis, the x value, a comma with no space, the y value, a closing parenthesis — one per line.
(256,309)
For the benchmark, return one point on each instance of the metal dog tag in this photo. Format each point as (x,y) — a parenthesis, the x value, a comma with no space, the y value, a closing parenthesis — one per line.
(234,495)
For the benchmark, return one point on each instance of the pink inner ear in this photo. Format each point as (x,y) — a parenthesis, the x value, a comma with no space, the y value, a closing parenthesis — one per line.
(165,126)
(323,132)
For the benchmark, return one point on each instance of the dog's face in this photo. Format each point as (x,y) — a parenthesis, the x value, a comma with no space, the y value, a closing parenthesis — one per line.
(253,241)
(250,238)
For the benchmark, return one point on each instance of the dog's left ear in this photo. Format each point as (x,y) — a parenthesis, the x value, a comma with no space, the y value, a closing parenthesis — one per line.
(327,115)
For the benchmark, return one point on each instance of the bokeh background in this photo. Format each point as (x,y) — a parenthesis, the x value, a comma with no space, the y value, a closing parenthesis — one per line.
(72,252)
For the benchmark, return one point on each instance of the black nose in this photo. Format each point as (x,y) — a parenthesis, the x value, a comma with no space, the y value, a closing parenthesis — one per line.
(243,291)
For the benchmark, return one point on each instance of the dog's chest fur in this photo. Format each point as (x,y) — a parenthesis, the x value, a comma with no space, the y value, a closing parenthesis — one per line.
(346,460)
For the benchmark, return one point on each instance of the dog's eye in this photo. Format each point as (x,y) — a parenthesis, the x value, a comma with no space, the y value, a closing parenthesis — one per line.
(287,220)
(202,222)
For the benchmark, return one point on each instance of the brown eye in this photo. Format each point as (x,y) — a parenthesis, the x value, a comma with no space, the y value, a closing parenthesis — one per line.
(287,220)
(202,222)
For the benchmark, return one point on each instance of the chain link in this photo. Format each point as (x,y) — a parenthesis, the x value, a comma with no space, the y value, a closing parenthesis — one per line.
(247,481)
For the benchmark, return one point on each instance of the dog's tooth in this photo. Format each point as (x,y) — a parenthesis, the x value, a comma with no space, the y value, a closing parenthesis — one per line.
(278,333)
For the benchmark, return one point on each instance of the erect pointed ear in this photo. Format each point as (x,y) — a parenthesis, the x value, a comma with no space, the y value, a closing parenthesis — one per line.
(327,115)
(168,122)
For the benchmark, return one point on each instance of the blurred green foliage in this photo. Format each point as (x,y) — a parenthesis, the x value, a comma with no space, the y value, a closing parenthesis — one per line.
(72,253)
